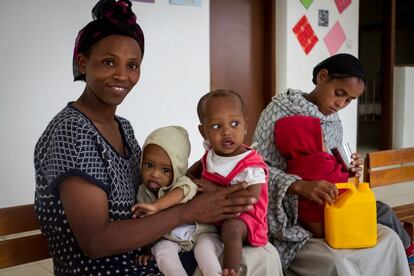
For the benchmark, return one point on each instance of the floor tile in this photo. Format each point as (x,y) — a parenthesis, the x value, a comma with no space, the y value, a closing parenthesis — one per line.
(32,269)
(47,264)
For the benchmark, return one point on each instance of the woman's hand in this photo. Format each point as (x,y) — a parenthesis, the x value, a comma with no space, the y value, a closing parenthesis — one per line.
(205,185)
(356,165)
(214,206)
(320,191)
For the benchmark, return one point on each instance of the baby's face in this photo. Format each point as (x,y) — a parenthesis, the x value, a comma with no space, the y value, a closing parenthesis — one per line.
(156,168)
(224,125)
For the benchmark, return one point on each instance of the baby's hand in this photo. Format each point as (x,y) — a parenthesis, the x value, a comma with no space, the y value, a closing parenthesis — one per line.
(140,210)
(206,186)
(142,260)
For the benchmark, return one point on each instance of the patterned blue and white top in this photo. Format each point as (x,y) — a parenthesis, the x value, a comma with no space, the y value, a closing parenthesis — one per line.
(285,232)
(72,146)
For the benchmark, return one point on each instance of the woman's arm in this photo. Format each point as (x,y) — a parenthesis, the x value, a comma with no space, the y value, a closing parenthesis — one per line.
(86,208)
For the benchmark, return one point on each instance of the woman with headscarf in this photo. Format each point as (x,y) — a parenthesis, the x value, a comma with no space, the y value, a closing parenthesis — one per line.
(338,80)
(87,161)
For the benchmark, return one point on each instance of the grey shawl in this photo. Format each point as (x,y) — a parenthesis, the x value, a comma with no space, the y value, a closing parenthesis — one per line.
(284,231)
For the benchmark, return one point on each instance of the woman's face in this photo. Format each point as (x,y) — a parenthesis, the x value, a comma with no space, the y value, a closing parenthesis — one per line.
(112,68)
(332,95)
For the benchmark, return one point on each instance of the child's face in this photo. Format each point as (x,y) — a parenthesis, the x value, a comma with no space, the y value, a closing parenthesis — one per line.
(112,68)
(224,125)
(156,169)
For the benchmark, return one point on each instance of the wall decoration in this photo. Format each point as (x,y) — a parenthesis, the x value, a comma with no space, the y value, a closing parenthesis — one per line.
(194,3)
(341,5)
(305,34)
(146,1)
(335,38)
(323,18)
(306,3)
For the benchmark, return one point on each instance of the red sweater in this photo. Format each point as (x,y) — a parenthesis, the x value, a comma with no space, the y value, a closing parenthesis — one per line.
(299,139)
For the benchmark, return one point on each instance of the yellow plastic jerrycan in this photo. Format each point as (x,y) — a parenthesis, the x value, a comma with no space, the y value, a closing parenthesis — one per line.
(351,221)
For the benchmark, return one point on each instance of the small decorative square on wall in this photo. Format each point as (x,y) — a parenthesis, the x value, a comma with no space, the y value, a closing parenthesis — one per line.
(335,38)
(323,18)
(342,5)
(306,3)
(305,34)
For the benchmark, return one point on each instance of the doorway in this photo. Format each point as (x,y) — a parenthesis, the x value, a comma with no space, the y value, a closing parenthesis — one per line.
(370,112)
(386,39)
(242,53)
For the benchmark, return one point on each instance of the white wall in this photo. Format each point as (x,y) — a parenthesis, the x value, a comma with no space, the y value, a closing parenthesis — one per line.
(403,132)
(294,67)
(37,39)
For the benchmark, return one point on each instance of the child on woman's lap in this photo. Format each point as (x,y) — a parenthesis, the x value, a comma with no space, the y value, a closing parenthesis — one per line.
(227,162)
(164,184)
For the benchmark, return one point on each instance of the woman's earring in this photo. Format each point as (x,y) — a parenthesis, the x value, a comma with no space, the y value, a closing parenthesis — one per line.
(206,144)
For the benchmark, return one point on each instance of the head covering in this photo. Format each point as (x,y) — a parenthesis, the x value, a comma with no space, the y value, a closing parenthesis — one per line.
(175,142)
(343,65)
(110,17)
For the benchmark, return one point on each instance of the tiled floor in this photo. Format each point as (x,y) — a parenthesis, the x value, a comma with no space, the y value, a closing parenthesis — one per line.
(42,268)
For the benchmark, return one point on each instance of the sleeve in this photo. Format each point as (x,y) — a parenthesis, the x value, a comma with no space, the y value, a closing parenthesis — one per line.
(333,132)
(187,185)
(252,176)
(73,151)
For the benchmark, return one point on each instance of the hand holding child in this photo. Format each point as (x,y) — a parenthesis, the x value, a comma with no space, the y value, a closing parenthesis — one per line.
(205,185)
(216,206)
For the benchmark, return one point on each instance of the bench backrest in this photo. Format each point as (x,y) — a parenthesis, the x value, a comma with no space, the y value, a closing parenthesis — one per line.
(389,166)
(24,247)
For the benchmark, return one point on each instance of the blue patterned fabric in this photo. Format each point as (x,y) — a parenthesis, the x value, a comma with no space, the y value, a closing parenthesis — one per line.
(285,233)
(72,146)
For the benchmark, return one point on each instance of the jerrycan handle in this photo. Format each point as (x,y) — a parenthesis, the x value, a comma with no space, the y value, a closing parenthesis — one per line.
(339,200)
(348,186)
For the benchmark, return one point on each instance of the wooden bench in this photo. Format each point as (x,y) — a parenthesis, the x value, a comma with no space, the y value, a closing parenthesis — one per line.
(23,246)
(390,167)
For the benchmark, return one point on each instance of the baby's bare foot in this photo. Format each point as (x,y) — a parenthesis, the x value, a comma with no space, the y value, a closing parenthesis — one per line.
(229,272)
